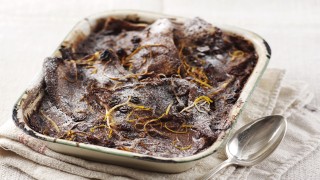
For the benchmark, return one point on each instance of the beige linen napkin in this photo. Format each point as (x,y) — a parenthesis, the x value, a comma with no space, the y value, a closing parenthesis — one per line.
(22,156)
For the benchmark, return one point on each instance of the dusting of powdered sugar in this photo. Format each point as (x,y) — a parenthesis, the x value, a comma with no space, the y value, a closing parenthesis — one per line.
(161,26)
(150,75)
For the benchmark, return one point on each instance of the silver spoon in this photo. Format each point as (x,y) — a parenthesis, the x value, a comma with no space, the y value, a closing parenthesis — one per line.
(252,143)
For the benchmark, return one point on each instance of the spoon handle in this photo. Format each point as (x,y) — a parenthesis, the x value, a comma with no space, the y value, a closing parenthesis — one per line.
(224,164)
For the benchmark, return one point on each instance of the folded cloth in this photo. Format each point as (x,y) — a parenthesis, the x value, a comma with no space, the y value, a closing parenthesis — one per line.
(22,156)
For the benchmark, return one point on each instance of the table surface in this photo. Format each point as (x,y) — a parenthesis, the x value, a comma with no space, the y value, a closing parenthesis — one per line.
(31,30)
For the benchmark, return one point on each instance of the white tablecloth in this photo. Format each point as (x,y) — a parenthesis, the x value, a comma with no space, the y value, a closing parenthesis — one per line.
(31,30)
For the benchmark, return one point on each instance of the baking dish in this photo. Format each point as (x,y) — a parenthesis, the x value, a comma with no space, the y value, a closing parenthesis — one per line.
(32,96)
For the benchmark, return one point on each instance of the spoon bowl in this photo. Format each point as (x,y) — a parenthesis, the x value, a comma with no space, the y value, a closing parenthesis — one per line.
(254,142)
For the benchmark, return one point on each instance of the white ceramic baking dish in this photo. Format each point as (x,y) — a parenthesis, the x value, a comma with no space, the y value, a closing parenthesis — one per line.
(29,100)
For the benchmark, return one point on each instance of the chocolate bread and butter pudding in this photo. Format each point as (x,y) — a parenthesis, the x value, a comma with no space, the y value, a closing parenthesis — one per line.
(162,89)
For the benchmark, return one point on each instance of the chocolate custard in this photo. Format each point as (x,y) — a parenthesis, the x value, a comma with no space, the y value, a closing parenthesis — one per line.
(161,89)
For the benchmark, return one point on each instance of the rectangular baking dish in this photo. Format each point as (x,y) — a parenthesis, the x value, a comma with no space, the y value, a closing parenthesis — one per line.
(31,97)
